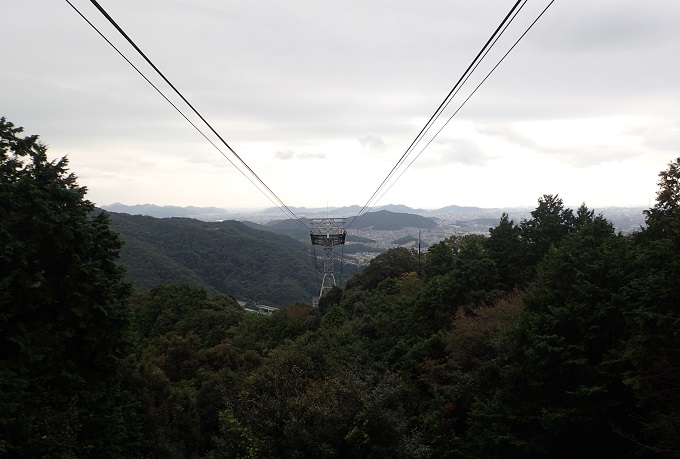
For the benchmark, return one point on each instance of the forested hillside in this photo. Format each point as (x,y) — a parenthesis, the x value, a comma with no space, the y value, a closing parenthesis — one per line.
(552,337)
(227,257)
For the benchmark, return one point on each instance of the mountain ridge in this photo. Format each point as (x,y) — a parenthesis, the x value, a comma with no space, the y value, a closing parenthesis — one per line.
(153,210)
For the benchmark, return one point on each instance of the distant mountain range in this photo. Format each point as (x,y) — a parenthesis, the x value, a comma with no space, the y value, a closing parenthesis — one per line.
(217,213)
(354,210)
(153,210)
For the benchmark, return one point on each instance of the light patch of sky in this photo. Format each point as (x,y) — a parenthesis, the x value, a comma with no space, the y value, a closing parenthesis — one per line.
(572,133)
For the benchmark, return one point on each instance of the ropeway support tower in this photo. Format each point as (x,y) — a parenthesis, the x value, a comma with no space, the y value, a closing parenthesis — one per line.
(327,232)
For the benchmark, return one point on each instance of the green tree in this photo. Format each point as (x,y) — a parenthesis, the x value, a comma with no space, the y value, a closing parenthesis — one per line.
(62,316)
(562,382)
(439,260)
(652,350)
(469,280)
(550,222)
(392,263)
(583,217)
(474,272)
(508,251)
(330,299)
(665,212)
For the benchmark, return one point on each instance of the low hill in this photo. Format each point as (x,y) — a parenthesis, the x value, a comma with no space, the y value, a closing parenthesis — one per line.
(385,220)
(227,257)
(381,220)
(458,209)
(399,208)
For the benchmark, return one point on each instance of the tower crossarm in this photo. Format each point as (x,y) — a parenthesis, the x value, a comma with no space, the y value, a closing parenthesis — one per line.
(328,231)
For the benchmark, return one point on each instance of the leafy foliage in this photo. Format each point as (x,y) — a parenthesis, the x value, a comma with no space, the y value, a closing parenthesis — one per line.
(392,263)
(508,249)
(652,349)
(62,320)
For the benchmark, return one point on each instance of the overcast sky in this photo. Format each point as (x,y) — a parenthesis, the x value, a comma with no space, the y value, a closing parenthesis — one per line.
(321,98)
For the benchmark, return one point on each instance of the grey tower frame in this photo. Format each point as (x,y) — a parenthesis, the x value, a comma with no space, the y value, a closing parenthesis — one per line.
(327,232)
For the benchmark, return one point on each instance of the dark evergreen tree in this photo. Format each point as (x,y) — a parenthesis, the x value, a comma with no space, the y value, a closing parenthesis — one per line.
(550,222)
(474,272)
(508,251)
(652,351)
(583,217)
(62,318)
(438,260)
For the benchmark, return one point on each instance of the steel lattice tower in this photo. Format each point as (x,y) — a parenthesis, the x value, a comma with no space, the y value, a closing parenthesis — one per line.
(327,232)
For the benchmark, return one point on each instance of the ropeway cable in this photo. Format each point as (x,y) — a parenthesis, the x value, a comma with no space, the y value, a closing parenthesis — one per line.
(171,103)
(468,97)
(480,55)
(279,203)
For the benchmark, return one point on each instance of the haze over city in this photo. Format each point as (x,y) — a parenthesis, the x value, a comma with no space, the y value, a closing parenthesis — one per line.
(321,100)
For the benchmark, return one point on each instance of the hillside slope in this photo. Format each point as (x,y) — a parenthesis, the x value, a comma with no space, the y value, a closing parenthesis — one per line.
(227,257)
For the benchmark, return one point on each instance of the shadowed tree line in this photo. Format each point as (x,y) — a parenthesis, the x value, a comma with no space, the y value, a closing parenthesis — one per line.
(550,337)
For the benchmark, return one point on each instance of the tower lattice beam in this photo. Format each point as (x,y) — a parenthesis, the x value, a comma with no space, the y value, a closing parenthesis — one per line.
(327,232)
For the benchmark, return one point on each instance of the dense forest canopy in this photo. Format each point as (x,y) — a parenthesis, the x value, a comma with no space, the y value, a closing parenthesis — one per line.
(549,337)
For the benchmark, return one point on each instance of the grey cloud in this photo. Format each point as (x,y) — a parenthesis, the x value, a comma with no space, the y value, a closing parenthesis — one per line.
(92,174)
(290,154)
(284,154)
(664,137)
(594,155)
(506,133)
(580,156)
(464,152)
(311,156)
(371,142)
(627,25)
(458,151)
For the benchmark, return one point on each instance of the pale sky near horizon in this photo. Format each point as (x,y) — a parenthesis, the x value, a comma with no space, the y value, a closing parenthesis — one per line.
(322,98)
